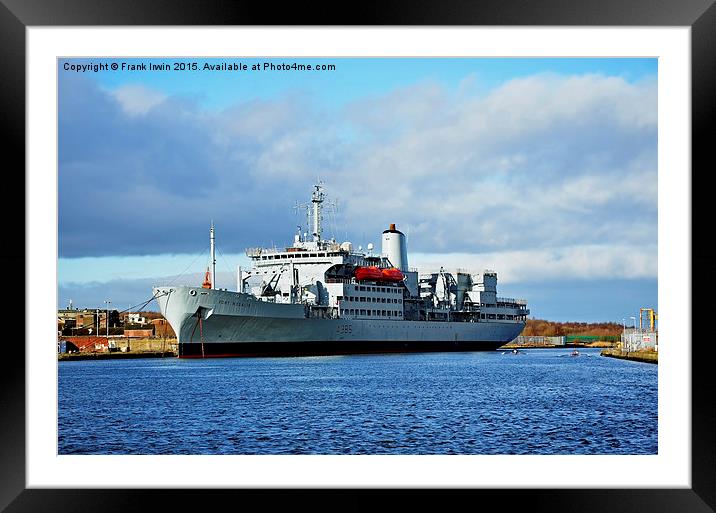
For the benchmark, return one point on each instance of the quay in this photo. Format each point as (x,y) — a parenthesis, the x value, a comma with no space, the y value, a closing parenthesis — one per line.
(111,348)
(115,355)
(637,356)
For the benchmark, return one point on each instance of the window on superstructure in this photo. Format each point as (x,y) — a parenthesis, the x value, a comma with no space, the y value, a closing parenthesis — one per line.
(400,314)
(362,312)
(362,289)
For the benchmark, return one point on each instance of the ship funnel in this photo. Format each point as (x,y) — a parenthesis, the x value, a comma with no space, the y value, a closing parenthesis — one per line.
(394,248)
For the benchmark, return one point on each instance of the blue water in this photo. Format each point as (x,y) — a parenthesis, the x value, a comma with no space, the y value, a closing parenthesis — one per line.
(540,402)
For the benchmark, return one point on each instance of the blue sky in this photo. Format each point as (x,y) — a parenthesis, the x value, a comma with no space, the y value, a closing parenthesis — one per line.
(542,169)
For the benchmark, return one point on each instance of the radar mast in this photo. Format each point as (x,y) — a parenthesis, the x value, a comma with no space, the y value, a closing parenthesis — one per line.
(317,200)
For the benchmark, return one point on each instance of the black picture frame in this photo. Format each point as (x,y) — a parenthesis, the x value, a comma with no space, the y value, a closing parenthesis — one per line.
(699,15)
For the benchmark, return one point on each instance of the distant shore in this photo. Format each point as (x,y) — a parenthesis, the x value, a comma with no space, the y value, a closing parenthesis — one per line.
(512,345)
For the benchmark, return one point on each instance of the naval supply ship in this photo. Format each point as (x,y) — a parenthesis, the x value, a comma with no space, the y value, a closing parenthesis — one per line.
(321,297)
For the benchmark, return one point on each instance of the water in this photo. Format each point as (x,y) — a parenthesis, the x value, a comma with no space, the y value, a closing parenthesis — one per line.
(540,402)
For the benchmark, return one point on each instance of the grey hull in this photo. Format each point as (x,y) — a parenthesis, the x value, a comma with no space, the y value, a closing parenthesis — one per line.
(243,325)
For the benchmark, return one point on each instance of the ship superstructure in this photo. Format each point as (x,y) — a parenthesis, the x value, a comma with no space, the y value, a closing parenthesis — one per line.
(319,296)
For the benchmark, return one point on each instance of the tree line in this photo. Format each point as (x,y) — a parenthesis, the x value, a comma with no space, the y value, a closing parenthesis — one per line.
(544,328)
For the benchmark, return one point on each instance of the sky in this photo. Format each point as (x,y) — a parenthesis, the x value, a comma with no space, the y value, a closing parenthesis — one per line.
(544,170)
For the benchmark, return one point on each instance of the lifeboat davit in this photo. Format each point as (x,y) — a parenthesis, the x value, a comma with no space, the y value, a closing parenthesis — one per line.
(392,274)
(368,273)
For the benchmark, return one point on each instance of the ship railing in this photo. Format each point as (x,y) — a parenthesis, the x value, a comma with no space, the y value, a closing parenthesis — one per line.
(254,252)
(511,301)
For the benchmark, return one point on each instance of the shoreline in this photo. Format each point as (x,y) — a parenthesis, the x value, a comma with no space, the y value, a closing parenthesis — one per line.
(605,346)
(642,356)
(158,353)
(115,355)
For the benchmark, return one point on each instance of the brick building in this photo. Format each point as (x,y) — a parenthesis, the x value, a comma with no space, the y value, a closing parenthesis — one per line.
(162,328)
(86,321)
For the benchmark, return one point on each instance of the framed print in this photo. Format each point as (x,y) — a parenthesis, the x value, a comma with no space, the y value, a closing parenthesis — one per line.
(92,63)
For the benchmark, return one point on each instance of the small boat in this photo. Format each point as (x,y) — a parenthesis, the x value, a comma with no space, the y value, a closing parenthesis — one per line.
(391,274)
(574,353)
(368,273)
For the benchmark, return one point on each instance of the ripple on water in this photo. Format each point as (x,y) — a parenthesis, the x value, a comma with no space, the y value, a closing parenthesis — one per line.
(440,403)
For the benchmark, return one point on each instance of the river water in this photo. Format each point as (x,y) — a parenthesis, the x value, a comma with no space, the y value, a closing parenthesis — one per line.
(542,401)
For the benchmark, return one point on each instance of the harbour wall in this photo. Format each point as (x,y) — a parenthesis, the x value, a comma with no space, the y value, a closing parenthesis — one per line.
(637,356)
(92,345)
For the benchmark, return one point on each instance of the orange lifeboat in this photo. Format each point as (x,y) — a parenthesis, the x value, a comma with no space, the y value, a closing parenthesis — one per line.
(392,274)
(368,273)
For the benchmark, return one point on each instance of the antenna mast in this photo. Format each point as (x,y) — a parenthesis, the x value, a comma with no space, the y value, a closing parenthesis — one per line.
(213,255)
(317,199)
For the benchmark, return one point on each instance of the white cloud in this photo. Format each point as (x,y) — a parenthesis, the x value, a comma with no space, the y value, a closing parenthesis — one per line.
(583,262)
(538,162)
(545,159)
(137,99)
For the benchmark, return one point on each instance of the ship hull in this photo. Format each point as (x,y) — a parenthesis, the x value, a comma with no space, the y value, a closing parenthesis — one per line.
(214,323)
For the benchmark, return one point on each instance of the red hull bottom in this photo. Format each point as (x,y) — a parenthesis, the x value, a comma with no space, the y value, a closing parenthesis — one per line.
(261,349)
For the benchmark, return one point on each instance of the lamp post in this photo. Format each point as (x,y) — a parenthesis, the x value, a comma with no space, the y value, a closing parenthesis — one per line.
(108,302)
(636,344)
(623,341)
